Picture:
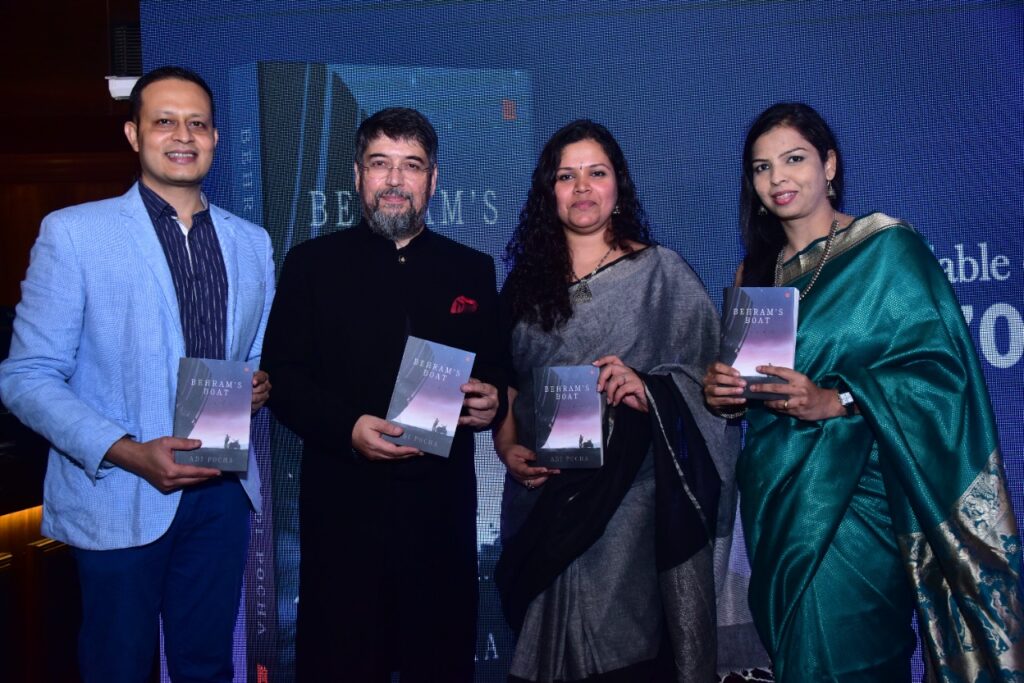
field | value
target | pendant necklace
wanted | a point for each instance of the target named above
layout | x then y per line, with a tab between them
581	293
821	264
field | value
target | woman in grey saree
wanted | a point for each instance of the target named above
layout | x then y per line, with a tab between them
607	574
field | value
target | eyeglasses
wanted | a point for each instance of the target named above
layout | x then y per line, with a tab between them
379	169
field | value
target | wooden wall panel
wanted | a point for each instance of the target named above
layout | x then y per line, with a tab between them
63	140
52	612
8	624
63	144
33	185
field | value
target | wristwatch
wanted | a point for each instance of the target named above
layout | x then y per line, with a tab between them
847	402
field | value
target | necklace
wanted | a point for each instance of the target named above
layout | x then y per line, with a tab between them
581	293
821	264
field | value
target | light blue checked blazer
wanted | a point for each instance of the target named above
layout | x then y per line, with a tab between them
94	356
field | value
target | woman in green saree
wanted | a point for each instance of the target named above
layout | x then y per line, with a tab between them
875	485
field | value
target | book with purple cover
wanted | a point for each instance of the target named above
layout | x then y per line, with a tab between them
427	400
569	416
214	405
759	328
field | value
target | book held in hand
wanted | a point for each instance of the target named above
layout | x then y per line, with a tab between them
427	400
214	405
569	417
759	328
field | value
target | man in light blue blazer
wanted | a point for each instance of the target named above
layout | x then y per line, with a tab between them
116	293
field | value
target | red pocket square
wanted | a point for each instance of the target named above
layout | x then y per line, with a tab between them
463	304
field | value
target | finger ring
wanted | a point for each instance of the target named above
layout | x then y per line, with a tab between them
785	404
528	484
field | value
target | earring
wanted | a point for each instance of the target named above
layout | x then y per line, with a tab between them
762	211
830	191
616	211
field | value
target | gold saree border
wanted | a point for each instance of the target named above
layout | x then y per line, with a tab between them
852	236
965	577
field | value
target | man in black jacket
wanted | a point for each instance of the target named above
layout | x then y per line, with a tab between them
388	576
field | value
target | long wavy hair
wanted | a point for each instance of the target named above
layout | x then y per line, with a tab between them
763	235
538	254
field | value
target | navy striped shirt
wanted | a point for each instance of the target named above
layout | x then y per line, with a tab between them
200	279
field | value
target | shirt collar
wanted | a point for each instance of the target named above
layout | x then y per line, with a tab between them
158	206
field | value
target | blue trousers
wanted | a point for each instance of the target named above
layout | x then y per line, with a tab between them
191	578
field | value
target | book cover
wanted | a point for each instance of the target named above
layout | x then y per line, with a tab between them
293	140
213	404
259	619
427	399
569	417
759	328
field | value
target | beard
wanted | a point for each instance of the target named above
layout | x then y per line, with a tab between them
394	226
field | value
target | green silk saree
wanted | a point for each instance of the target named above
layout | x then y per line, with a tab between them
854	522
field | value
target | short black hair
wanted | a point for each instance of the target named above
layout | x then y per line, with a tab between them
164	73
397	123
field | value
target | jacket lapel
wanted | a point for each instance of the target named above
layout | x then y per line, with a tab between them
139	227
224	226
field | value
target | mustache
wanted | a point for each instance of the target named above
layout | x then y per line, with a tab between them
392	192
